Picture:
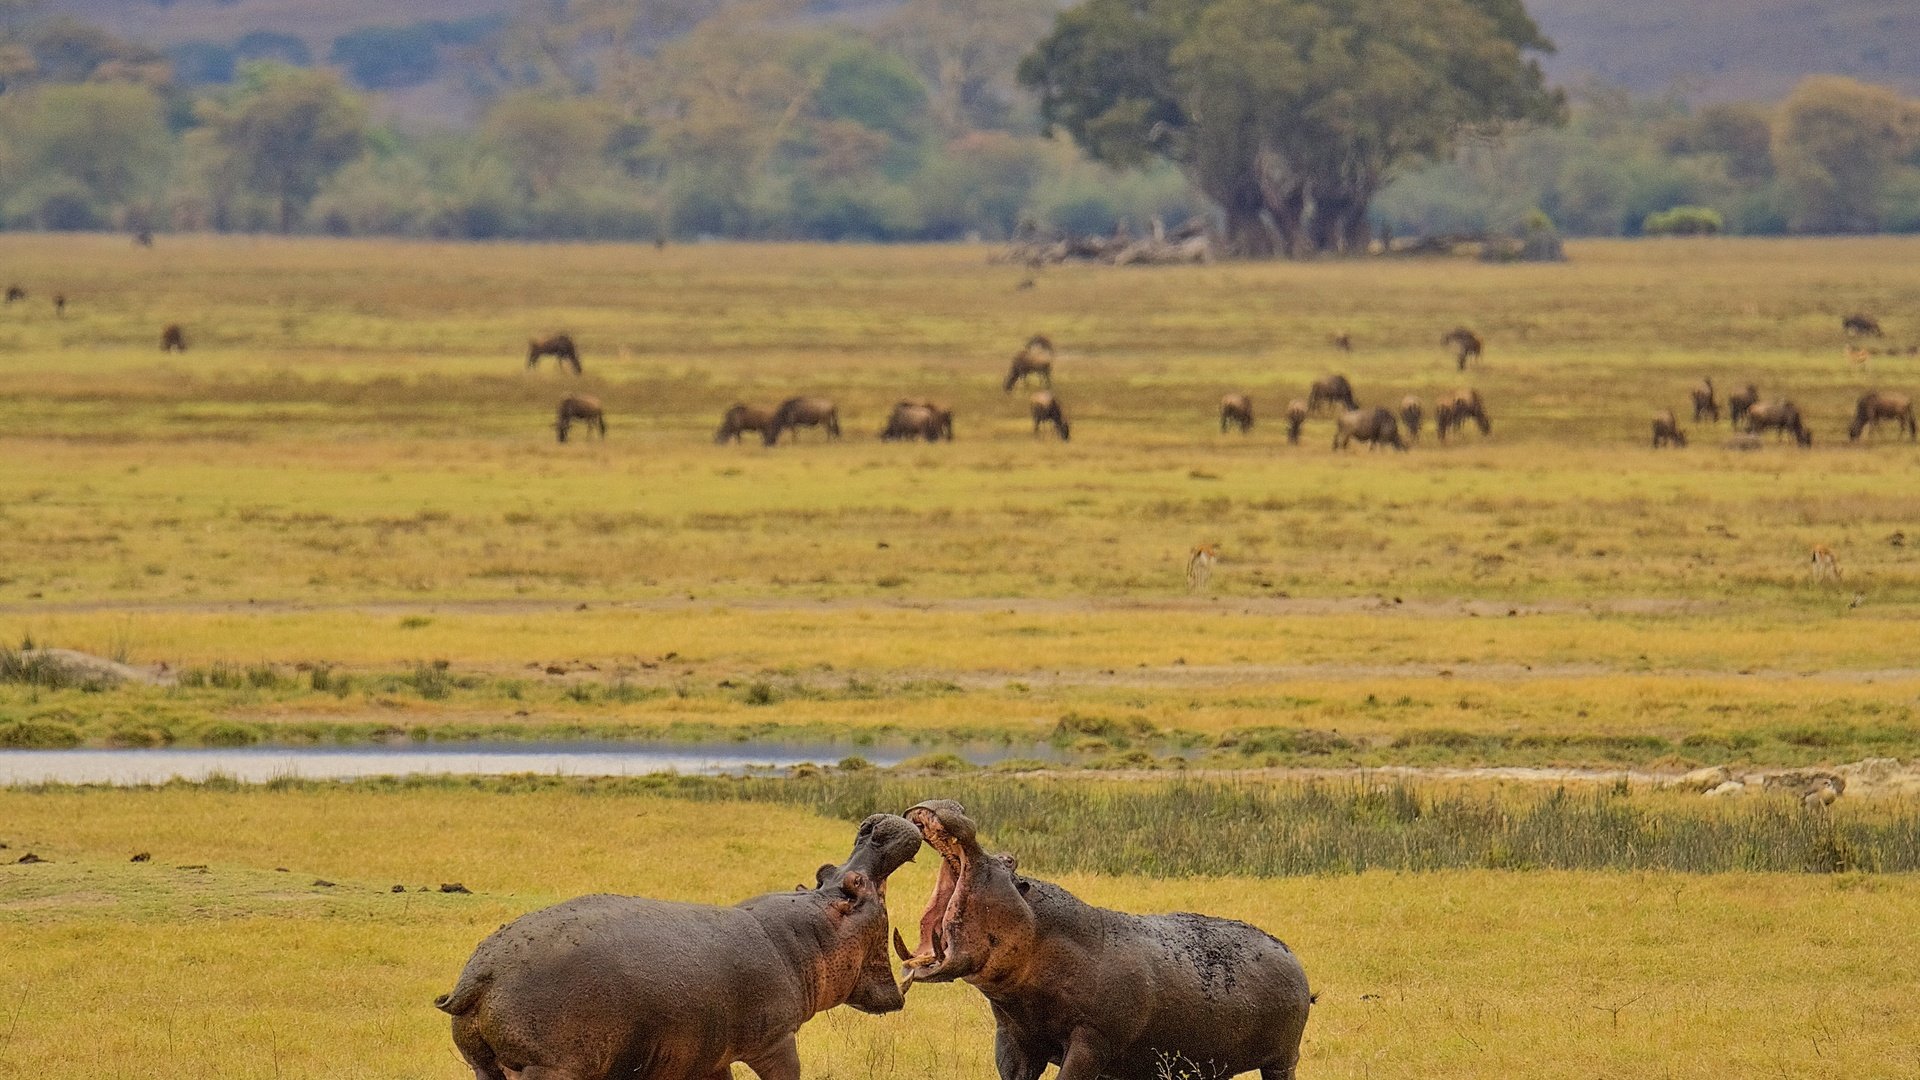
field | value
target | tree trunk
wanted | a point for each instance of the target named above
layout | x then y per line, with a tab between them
1248	234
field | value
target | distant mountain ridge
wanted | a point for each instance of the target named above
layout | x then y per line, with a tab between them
1709	50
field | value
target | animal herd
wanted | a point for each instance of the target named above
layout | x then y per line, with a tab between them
1749	415
618	986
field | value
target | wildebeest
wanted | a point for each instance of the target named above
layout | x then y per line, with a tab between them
1332	390
173	338
1704	404
583	409
1860	324
1739	402
559	346
1297	412
1375	427
1035	358
620	986
741	418
60	304
1101	993
912	420
15	292
1046	410
1666	429
1411	414
144	238
1236	410
1342	341
798	412
1874	407
1780	417
1466	346
1451	414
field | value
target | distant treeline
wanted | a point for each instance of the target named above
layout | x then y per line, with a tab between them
688	119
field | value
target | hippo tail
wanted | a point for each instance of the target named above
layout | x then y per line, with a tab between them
465	994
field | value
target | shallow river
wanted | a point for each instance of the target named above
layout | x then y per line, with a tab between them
260	764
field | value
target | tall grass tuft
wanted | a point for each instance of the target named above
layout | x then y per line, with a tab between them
27	668
1216	827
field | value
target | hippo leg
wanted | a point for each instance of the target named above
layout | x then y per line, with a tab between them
1084	1059
1016	1062
1279	1072
780	1063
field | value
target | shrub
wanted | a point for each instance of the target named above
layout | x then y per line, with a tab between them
1684	221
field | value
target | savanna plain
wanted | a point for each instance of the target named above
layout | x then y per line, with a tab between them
341	516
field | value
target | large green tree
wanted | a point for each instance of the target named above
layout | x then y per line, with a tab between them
1289	114
1839	145
286	131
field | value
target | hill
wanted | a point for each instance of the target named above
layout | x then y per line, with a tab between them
1693	46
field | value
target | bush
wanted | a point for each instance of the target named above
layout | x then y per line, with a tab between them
1684	221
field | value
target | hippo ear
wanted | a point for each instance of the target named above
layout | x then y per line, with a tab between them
820	875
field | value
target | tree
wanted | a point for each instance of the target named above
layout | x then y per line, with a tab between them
1290	115
109	139
287	130
548	141
1839	144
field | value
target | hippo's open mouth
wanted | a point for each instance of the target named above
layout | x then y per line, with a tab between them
938	822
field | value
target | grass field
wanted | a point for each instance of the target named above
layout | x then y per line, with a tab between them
342	517
351	477
243	970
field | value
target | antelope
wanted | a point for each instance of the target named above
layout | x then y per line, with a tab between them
1236	410
1332	390
1035	358
559	346
1825	566
173	338
1296	419
1739	402
582	408
1860	324
1466	346
1342	341
1666	429
1411	414
1200	566
15	292
1046	410
1782	417
1703	402
60	305
1875	406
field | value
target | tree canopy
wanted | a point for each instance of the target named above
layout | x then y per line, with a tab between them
1290	115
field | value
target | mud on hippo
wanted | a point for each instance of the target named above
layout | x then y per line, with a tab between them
606	986
1102	994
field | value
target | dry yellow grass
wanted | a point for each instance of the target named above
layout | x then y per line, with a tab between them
245	971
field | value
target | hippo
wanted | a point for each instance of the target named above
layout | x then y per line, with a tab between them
1102	994
605	986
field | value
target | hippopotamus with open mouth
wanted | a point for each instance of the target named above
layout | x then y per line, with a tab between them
1100	993
606	986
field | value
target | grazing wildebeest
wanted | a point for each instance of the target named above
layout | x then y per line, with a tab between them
798	412
1739	402
1451	414
559	346
1411	414
1102	994
1035	358
1874	407
1342	341
1375	427
1046	410
579	407
603	986
1297	413
173	338
144	238
1780	417
60	304
912	420
1236	410
743	418
1666	429
15	292
1332	390
1860	324
1704	404
1466	346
